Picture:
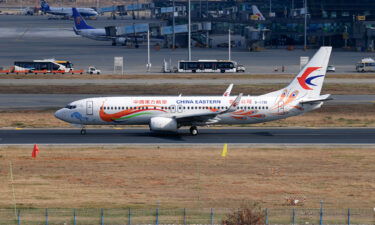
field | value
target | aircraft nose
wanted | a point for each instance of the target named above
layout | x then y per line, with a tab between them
59	114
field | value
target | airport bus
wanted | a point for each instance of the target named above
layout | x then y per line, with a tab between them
46	65
209	66
366	65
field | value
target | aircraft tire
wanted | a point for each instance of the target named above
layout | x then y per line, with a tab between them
194	130
83	131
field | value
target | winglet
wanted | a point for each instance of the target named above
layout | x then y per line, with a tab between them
228	91
235	103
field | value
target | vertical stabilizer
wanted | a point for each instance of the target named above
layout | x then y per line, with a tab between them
44	6
257	12
309	81
79	21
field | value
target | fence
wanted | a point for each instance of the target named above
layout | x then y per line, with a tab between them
178	216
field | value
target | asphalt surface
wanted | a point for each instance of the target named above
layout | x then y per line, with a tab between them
36	37
206	136
55	101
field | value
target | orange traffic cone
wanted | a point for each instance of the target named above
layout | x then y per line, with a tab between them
35	151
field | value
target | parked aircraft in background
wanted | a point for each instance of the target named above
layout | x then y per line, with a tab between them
169	113
99	34
257	13
66	11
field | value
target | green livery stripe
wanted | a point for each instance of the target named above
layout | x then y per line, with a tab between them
134	115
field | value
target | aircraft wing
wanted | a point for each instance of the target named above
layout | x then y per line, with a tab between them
321	98
208	117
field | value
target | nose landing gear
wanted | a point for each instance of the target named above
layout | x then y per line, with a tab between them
194	130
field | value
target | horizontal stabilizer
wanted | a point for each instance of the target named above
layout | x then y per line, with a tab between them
321	98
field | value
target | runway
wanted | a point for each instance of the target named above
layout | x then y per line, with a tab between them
206	136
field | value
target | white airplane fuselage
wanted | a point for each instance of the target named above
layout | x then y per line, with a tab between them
139	110
97	34
67	11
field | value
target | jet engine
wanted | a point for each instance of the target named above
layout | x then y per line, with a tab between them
163	124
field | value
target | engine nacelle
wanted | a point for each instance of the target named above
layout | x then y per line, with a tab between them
163	124
120	40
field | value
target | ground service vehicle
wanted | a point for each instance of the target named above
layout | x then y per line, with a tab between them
365	65
93	70
331	68
208	66
45	65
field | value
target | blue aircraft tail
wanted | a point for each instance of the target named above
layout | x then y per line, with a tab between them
44	6
79	22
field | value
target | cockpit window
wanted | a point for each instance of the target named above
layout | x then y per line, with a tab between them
71	106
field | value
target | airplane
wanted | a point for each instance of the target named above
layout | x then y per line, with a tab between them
257	12
169	113
66	11
99	34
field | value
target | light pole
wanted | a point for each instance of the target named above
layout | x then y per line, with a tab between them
229	46
270	7
189	31
148	51
305	38
173	24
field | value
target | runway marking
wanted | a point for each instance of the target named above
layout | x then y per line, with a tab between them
118	128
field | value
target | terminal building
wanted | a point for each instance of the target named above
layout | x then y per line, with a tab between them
340	23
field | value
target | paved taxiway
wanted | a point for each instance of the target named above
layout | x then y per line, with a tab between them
206	136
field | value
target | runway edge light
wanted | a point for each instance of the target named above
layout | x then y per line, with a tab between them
225	150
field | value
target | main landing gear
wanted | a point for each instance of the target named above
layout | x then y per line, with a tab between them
83	131
193	130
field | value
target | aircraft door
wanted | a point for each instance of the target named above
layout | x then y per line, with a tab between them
281	107
179	108
89	108
172	108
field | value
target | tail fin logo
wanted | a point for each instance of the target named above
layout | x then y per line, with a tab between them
78	20
304	81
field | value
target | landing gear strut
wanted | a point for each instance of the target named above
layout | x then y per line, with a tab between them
83	131
193	130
